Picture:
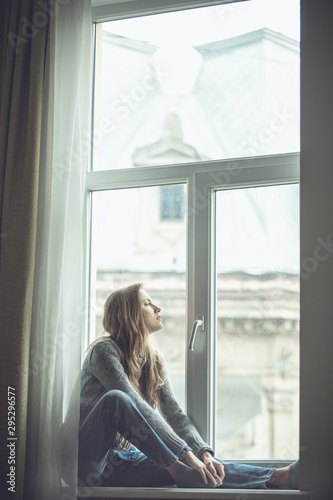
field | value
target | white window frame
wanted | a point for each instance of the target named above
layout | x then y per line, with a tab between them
143	177
118	9
202	180
203	184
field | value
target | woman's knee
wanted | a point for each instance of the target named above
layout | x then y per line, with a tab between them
117	397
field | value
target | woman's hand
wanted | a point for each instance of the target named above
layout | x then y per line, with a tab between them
210	470
214	466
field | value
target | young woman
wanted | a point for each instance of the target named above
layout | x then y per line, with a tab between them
132	430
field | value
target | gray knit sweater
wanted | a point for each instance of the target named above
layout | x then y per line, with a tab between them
103	370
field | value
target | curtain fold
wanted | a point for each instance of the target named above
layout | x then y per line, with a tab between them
22	62
59	312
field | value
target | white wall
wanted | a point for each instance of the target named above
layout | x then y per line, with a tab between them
316	227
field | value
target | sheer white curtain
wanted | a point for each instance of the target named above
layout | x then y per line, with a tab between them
59	305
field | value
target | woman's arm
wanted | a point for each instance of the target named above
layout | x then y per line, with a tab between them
202	457
180	422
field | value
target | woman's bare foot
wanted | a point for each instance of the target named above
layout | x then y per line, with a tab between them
186	477
279	477
286	476
175	467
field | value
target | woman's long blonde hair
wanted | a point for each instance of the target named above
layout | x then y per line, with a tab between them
123	321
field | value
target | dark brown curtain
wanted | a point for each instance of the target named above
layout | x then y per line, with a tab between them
24	32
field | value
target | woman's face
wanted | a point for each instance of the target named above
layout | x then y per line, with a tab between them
151	313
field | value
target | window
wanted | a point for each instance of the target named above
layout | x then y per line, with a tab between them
172	203
194	189
129	245
257	315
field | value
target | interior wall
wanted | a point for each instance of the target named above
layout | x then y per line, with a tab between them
316	438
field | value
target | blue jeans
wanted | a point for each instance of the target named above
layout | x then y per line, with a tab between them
144	464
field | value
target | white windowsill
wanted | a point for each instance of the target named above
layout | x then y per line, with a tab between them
191	493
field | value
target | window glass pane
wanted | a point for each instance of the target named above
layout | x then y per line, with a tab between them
257	293
210	83
132	242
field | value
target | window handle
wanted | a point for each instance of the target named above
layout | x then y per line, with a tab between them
198	323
